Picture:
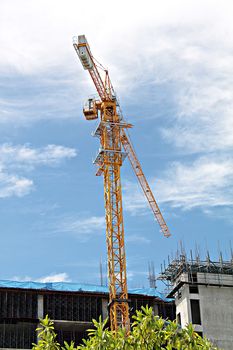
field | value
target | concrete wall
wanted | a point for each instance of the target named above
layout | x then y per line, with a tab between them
183	307
216	308
217	315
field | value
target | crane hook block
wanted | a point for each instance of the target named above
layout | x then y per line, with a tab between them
82	48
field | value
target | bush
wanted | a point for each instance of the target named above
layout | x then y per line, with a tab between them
148	332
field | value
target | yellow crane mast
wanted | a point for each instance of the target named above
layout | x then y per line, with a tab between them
111	131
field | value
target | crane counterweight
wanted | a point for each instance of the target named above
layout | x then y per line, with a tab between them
83	51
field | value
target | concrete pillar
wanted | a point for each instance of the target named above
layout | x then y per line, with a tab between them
40	310
155	308
104	308
40	306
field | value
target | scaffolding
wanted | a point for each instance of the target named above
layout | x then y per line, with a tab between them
173	274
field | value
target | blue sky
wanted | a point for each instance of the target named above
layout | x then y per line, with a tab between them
172	67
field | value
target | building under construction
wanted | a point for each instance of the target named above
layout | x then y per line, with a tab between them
203	292
71	306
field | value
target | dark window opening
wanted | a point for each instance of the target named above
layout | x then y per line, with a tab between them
18	335
192	277
136	304
72	307
193	288
178	317
200	333
195	311
16	304
70	335
179	294
167	310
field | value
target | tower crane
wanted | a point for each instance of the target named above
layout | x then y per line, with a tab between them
115	146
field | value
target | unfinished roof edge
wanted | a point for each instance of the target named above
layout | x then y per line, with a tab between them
184	265
76	287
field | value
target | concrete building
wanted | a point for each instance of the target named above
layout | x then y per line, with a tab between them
71	306
204	296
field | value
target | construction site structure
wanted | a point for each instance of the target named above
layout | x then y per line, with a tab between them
71	306
203	292
112	132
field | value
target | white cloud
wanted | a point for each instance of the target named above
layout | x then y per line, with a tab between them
133	198
56	277
23	158
206	183
180	42
26	156
224	213
82	228
135	238
87	225
21	278
205	118
13	185
184	45
85	228
27	46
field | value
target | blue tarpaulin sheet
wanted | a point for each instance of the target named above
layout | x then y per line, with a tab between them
76	287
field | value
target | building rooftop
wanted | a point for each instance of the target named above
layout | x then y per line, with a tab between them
76	287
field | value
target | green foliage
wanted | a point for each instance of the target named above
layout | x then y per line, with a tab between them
47	336
148	332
